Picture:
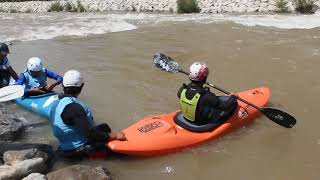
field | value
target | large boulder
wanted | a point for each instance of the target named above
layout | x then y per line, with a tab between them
11	129
13	157
24	146
22	169
22	159
35	176
80	172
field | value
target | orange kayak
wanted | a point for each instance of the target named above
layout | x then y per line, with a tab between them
157	135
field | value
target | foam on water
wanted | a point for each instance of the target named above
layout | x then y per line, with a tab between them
26	27
276	21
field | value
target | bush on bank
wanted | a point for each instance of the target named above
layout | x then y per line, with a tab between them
305	6
80	7
55	7
68	7
282	6
187	6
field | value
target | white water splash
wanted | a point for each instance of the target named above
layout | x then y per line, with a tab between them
168	170
26	27
277	21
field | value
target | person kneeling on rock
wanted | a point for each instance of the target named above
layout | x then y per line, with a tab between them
73	125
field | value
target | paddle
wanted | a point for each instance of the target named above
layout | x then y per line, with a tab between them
282	118
11	92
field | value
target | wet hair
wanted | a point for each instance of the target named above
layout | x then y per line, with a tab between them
72	90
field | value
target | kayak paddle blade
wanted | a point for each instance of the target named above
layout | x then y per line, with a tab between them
11	92
280	117
166	63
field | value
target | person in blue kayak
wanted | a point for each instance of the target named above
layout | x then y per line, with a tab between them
73	124
34	78
6	70
197	103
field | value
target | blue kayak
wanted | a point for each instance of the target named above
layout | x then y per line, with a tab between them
40	104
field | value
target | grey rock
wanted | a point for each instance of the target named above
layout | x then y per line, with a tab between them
242	8
5	172
13	157
80	172
272	8
253	9
11	129
22	169
35	176
24	146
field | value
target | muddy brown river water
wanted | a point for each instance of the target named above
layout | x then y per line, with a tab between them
122	85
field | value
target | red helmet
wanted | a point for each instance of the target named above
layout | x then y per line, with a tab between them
198	71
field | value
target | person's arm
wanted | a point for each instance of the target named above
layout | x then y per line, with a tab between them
54	76
226	104
210	99
12	73
28	92
74	115
104	135
21	79
180	91
117	136
10	70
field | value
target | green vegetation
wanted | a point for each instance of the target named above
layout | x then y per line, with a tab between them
13	11
55	7
28	11
282	6
187	6
305	6
68	7
80	7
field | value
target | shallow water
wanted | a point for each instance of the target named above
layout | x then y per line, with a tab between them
122	86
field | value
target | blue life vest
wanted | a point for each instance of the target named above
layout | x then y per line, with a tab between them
69	137
3	62
32	82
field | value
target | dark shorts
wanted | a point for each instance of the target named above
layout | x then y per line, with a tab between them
4	78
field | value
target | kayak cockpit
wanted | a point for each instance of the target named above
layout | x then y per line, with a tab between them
219	117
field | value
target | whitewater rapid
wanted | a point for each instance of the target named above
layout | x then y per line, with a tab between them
28	27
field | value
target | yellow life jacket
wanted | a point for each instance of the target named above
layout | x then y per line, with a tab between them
189	107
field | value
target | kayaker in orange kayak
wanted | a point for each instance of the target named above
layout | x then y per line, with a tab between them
73	125
197	103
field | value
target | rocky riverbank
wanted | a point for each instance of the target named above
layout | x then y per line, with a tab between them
205	6
34	161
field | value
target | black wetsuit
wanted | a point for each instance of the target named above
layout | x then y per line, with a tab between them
207	102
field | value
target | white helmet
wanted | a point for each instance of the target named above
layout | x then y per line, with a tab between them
72	78
198	71
35	64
